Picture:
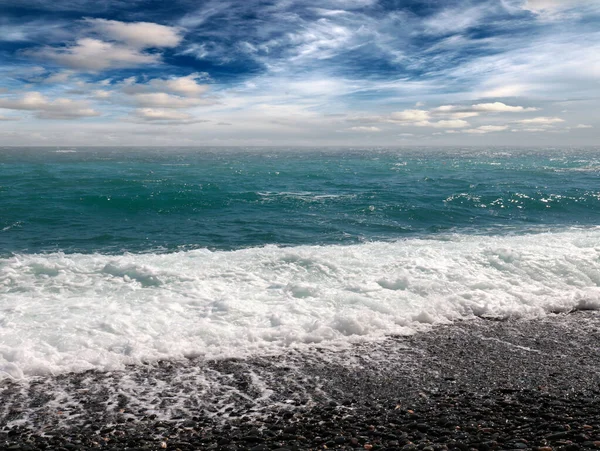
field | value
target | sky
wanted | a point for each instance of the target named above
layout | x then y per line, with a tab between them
299	72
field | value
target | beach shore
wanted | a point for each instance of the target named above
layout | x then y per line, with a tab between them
481	384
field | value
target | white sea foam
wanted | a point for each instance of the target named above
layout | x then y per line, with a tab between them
305	196
75	312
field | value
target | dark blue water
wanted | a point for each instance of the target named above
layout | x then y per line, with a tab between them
113	200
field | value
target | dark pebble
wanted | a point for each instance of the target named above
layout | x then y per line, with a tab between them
500	397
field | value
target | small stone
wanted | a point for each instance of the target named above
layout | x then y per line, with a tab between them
368	446
340	440
422	427
163	445
259	448
557	435
253	439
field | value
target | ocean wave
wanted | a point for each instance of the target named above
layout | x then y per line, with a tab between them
73	312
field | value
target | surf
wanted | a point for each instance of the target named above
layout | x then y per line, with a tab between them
74	312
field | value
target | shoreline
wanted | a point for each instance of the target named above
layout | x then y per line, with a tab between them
481	384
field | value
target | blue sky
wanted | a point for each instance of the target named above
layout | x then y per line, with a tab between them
299	72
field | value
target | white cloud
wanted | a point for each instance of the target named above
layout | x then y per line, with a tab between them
493	128
94	55
495	107
140	35
9	118
512	90
534	129
187	86
540	6
553	65
320	40
454	112
422	118
452	123
452	20
410	116
155	100
44	108
583	126
114	45
486	129
164	100
499	107
101	94
541	121
453	117
365	129
151	114
59	77
463	115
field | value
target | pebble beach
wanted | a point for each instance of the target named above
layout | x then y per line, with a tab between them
481	384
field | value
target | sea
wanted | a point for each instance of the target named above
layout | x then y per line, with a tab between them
117	256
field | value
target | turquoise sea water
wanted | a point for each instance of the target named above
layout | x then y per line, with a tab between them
114	200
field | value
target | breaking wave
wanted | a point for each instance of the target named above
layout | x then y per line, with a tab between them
73	312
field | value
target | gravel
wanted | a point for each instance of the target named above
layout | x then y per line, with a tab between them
480	384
